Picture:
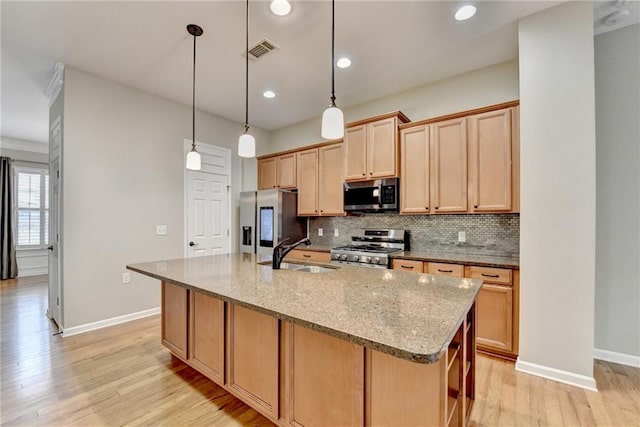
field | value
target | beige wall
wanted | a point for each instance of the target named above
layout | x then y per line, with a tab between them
478	88
123	175
557	219
617	74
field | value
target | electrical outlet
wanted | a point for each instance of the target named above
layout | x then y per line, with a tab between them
462	236
320	232
161	230
126	278
336	233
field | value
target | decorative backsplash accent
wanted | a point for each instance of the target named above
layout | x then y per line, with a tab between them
491	234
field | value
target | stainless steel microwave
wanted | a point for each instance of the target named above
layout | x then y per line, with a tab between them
379	195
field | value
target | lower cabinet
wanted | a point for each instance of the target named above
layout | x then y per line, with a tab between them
302	255
325	379
174	319
206	335
253	358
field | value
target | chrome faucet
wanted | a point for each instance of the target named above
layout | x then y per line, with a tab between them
279	252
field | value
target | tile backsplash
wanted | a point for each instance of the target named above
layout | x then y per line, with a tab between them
491	234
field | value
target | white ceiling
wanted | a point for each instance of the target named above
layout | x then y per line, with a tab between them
394	46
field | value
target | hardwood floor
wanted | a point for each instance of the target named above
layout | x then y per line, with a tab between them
122	375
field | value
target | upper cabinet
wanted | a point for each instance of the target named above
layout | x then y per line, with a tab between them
371	147
467	162
320	181
490	161
277	172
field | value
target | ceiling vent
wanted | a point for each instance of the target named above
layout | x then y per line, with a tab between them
261	48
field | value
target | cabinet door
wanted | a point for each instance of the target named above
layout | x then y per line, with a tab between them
308	182
414	170
407	265
206	335
252	369
286	169
382	144
449	166
454	270
267	173
325	380
490	161
495	317
174	319
355	153
331	193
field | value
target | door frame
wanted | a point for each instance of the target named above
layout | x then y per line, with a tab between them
205	150
55	151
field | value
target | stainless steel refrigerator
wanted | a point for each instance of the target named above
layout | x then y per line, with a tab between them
267	217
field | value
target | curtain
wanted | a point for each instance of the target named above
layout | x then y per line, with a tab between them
9	266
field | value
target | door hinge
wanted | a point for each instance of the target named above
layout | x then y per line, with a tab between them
58	174
58	301
57	237
228	187
227	231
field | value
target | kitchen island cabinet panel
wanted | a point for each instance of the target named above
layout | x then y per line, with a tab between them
325	379
174	319
206	335
253	358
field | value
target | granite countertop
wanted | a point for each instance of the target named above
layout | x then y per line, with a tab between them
408	315
461	258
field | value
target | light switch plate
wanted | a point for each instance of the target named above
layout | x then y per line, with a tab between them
161	230
462	236
320	232
126	278
336	233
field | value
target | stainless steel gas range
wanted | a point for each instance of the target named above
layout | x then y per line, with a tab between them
371	248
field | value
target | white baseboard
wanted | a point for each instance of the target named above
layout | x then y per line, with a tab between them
620	358
558	375
26	272
75	330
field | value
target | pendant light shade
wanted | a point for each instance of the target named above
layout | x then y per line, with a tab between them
332	118
246	142
193	157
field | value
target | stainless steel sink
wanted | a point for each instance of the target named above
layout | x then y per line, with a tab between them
302	267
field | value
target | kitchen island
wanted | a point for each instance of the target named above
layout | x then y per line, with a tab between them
351	346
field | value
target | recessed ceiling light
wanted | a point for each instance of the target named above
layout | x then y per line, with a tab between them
465	12
280	7
269	94
343	63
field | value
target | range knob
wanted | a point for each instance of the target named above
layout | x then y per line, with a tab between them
335	256
343	257
355	258
365	259
375	260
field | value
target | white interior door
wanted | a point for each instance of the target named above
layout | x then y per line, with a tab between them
208	204
54	310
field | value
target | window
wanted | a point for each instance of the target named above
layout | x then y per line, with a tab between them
32	196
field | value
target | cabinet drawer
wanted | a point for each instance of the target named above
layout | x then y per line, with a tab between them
455	270
303	255
407	265
492	275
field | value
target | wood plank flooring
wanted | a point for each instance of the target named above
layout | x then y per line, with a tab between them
122	375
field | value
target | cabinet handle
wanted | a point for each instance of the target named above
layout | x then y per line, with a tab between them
364	174
475	206
306	256
408	267
370	173
445	271
426	208
437	207
495	276
321	210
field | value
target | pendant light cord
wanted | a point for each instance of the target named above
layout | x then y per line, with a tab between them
333	43
193	103
246	73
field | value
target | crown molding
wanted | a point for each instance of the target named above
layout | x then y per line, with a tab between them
56	84
24	145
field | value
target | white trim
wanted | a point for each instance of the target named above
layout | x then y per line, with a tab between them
33	271
56	84
25	145
558	375
620	358
75	330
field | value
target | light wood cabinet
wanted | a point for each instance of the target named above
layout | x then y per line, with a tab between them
314	256
325	379
449	166
174	319
453	270
371	148
277	172
490	161
414	164
407	265
253	358
320	191
206	335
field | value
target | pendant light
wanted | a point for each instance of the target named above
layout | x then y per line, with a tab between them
193	157
246	143
332	118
